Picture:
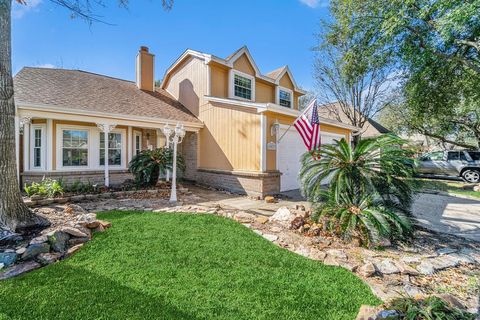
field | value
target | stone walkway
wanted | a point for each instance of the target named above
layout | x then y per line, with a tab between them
449	214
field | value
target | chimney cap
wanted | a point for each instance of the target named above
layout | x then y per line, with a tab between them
144	48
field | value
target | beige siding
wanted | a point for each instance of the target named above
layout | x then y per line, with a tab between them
286	82
219	79
230	139
264	92
188	83
243	64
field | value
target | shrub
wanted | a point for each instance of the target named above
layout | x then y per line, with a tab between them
431	308
369	195
149	164
47	187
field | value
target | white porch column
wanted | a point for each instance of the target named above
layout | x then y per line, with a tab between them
25	123
106	128
49	145
130	143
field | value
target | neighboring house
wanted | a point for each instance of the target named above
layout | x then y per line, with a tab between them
233	115
370	129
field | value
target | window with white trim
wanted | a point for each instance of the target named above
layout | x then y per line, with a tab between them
37	147
114	149
285	98
74	148
242	87
138	143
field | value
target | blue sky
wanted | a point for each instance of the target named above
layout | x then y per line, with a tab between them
277	32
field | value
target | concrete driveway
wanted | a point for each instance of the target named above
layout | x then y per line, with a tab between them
453	215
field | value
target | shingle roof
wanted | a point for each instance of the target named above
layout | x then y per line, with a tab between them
275	73
85	91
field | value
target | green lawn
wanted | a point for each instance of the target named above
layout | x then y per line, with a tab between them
173	266
454	187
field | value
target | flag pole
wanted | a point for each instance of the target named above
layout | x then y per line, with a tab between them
310	105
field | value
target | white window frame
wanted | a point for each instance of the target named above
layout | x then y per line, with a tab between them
43	147
135	135
277	98
122	150
59	147
231	86
93	148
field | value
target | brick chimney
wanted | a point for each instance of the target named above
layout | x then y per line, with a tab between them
144	70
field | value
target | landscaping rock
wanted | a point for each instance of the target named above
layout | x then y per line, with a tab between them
21	251
444	262
412	291
410	259
367	270
75	241
92	225
77	198
45	202
406	269
270	199
282	215
74	232
297	222
74	249
261	219
19	269
39	239
107	224
58	240
87	218
367	312
48	258
74	209
270	237
338	254
387	266
426	268
99	228
8	258
34	250
1	266
244	217
317	255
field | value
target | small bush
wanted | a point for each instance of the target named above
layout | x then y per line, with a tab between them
431	308
149	164
47	187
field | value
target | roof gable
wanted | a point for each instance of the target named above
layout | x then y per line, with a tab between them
244	65
240	58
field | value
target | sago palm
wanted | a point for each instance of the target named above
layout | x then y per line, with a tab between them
376	172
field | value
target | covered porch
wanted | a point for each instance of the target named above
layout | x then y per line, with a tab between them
71	146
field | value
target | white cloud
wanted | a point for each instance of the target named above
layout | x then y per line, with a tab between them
315	3
19	10
46	65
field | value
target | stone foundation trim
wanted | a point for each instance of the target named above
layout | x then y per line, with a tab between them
257	184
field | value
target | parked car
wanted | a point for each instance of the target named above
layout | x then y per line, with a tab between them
458	163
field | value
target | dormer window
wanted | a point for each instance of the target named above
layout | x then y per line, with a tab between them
285	97
242	86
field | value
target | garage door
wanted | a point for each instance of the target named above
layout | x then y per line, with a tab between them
289	152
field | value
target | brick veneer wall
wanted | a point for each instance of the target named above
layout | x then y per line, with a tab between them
188	149
68	178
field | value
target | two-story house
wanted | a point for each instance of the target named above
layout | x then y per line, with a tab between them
238	122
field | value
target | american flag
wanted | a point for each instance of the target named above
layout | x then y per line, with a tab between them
308	125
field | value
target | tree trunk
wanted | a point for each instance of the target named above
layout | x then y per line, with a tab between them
14	214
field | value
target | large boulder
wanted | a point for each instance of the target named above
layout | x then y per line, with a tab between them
74	232
58	240
8	258
34	250
19	269
283	215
